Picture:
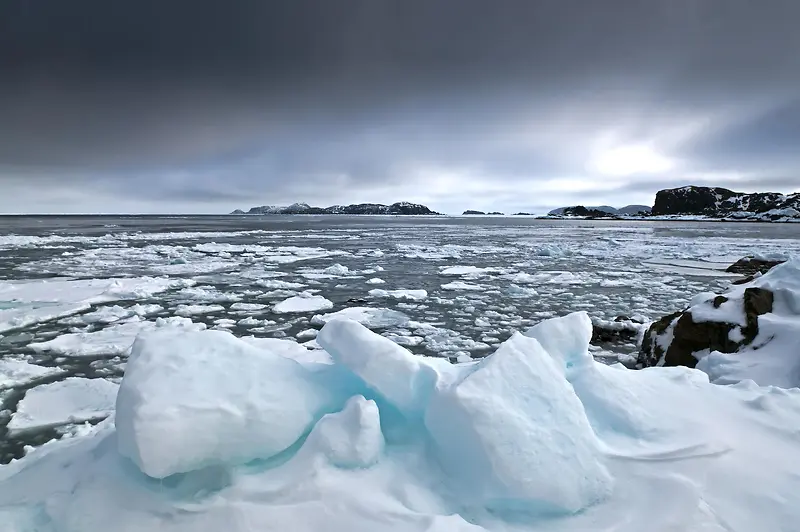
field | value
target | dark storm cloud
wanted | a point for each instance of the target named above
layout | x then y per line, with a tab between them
178	103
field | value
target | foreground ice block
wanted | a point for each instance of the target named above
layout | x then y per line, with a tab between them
351	438
566	339
191	399
398	376
515	437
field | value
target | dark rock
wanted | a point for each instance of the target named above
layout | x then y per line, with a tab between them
497	213
522	214
623	329
604	208
238	211
751	266
724	203
719	300
580	210
743	280
400	208
480	213
651	352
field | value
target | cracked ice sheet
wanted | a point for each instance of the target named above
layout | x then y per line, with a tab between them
24	303
73	400
115	340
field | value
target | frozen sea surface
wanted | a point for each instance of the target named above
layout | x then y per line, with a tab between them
75	291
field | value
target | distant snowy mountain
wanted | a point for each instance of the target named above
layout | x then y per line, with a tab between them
723	203
399	208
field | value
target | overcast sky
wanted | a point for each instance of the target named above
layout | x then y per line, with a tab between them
205	106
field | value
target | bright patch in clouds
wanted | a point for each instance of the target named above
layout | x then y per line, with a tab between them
631	160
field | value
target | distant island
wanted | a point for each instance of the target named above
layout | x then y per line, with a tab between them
601	210
721	203
689	202
402	208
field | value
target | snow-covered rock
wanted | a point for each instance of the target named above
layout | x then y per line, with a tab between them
752	331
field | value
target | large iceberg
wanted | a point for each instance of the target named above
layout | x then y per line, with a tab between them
212	432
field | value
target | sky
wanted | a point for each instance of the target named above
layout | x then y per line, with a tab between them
204	106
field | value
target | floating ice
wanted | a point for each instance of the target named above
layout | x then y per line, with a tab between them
303	303
461	285
24	303
15	373
192	310
414	295
73	400
248	306
111	341
375	280
367	316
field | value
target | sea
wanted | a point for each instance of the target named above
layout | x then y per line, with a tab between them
76	290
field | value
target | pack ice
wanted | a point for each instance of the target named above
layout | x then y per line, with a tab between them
212	432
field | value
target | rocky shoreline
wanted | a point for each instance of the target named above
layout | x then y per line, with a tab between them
751	331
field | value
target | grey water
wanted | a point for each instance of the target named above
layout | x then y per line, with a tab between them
511	272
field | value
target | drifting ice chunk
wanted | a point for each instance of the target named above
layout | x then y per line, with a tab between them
73	400
191	310
415	295
351	438
195	399
303	303
393	372
566	339
516	437
111	341
376	280
18	372
461	285
367	316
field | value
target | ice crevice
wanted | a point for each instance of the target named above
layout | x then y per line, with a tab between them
215	432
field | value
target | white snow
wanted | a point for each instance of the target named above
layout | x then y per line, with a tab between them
414	295
368	316
302	303
73	400
23	303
